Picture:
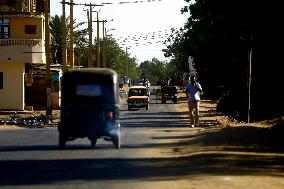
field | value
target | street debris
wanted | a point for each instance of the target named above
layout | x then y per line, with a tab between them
31	121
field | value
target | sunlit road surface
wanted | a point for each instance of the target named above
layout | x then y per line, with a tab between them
159	150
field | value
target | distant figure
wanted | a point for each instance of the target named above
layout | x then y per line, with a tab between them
145	82
169	81
127	82
193	90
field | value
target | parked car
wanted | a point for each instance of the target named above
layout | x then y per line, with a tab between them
138	97
89	106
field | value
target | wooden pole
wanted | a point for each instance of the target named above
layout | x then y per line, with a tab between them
126	64
249	85
71	35
47	54
63	42
104	45
98	42
90	30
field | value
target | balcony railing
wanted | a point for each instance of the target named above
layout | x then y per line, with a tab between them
20	42
22	6
22	51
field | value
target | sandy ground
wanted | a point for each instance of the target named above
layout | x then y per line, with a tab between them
208	113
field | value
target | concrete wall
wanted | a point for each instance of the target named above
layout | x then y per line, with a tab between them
22	54
22	47
17	27
12	94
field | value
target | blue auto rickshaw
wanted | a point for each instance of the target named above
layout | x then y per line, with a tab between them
89	106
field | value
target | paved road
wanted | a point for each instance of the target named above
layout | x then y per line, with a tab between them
158	151
30	157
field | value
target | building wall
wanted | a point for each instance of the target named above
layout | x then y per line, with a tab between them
22	54
12	94
24	46
17	27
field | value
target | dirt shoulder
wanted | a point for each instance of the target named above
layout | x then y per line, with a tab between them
210	117
222	133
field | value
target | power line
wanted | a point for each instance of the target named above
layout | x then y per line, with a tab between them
82	4
133	2
117	3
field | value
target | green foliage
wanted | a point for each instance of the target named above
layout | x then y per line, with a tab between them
116	58
120	61
154	70
56	37
219	34
80	41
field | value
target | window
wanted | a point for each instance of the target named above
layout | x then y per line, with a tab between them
1	80
30	29
4	28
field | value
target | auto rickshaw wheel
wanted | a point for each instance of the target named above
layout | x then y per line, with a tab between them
163	101
175	100
62	141
147	106
93	142
116	142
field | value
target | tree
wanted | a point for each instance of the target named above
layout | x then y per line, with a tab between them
80	41
56	37
219	35
120	61
154	70
177	68
116	58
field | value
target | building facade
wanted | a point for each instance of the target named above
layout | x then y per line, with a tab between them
21	47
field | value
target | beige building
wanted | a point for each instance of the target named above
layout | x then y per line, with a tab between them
21	48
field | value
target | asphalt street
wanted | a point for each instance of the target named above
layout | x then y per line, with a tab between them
159	150
31	158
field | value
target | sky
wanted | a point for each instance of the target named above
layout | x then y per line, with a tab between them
140	26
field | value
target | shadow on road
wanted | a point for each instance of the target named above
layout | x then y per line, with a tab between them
51	171
154	120
217	151
156	124
212	151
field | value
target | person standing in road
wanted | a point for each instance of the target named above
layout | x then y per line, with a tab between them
193	91
145	82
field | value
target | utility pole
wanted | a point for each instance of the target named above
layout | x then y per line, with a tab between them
63	45
71	35
249	84
104	45
90	30
47	54
126	62
98	41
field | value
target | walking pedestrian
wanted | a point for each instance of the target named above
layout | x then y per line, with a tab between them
193	91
